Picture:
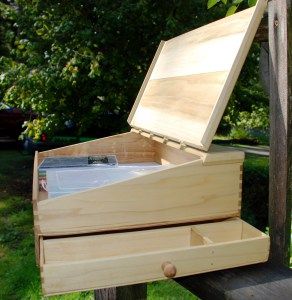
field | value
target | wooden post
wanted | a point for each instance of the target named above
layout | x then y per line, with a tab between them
280	47
105	294
131	292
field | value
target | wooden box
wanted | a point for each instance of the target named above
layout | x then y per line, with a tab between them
113	235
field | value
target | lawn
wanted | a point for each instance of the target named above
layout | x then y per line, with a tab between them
18	271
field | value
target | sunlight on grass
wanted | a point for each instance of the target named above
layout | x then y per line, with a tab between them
168	290
2	205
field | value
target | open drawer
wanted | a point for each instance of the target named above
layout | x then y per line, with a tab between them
116	259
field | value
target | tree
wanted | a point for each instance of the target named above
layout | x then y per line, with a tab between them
232	5
249	106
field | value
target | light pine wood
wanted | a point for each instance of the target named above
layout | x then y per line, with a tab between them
90	247
190	190
104	246
174	103
35	182
136	146
35	198
144	84
170	151
59	250
128	147
165	154
193	77
179	194
98	270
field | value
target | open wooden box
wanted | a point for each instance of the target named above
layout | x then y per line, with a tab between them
109	236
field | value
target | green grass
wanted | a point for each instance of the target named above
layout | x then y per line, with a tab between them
19	275
168	290
256	161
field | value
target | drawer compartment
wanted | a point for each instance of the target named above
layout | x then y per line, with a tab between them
116	259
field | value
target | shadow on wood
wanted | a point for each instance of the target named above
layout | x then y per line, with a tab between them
261	281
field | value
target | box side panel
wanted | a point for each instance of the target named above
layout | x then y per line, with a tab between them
35	196
128	147
100	246
175	152
165	154
186	193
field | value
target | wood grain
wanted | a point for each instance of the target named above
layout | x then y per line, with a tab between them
144	264
172	105
35	198
280	41
90	247
221	104
105	246
179	194
173	152
191	82
144	84
133	292
128	147
258	282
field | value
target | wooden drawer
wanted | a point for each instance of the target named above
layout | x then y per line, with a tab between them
116	259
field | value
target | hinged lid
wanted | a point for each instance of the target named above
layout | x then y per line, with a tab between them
190	80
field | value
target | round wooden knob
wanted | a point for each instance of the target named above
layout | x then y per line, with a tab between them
168	269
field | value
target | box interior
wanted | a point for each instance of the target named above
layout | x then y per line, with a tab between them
134	160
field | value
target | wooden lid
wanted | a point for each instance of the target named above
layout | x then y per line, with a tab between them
190	80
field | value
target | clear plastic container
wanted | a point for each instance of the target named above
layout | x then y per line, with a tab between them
63	181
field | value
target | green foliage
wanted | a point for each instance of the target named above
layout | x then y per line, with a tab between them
248	104
212	3
255	195
84	61
252	126
231	5
252	2
231	10
257	118
239	133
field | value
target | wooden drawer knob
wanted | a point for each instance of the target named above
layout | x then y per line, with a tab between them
168	269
